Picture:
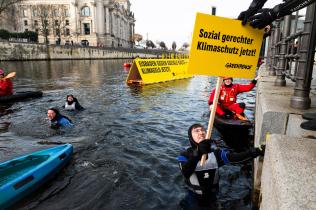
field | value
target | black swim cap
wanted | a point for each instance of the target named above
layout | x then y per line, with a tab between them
192	142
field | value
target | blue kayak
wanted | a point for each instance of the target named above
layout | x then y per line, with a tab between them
20	176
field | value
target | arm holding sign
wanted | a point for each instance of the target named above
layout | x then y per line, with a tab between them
259	18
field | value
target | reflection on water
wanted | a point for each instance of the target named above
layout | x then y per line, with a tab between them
125	142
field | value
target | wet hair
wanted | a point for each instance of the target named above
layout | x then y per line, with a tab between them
58	114
68	96
55	110
74	99
192	142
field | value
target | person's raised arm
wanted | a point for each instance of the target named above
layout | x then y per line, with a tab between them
266	16
226	157
253	8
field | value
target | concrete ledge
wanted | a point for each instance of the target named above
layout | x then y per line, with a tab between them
275	116
289	174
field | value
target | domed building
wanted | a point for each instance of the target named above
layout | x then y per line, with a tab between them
108	23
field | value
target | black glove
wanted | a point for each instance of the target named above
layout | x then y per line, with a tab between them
258	151
54	125
253	8
204	147
263	18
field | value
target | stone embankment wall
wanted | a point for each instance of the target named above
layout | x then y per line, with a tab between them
289	166
28	51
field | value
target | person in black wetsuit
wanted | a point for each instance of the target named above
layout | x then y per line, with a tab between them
259	18
58	120
72	103
203	181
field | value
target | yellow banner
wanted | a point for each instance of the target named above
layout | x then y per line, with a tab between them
148	71
223	47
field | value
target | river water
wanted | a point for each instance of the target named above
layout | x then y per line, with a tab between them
126	141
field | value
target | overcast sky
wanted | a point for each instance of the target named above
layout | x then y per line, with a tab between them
173	20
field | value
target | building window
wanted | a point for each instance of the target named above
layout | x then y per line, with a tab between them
24	13
67	22
55	13
35	13
45	12
85	11
26	30
25	22
46	22
67	14
67	32
56	22
36	30
86	28
35	23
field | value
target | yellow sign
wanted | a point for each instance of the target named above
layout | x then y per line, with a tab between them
148	71
223	47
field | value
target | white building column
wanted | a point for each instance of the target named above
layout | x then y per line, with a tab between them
94	22
107	21
100	18
73	21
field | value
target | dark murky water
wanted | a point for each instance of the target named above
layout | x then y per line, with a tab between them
125	142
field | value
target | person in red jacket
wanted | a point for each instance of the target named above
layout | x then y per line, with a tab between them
228	96
6	85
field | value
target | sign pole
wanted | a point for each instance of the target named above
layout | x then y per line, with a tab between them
212	116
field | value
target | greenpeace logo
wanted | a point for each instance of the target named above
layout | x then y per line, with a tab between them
237	66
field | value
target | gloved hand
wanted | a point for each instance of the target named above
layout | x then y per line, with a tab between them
204	147
253	8
258	151
267	31
257	77
263	18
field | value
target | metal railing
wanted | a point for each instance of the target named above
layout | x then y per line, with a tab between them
291	54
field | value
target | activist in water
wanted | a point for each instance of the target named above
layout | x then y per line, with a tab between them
203	181
227	106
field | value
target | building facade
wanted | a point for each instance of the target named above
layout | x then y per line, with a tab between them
108	23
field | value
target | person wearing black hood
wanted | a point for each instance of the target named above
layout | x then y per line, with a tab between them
203	181
57	120
228	96
72	104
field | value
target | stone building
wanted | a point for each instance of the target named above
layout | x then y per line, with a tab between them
107	23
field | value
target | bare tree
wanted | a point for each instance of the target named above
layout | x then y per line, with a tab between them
52	18
138	37
60	20
150	44
174	45
44	14
185	45
6	4
163	45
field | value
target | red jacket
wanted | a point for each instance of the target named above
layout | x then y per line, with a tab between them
6	87
228	95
